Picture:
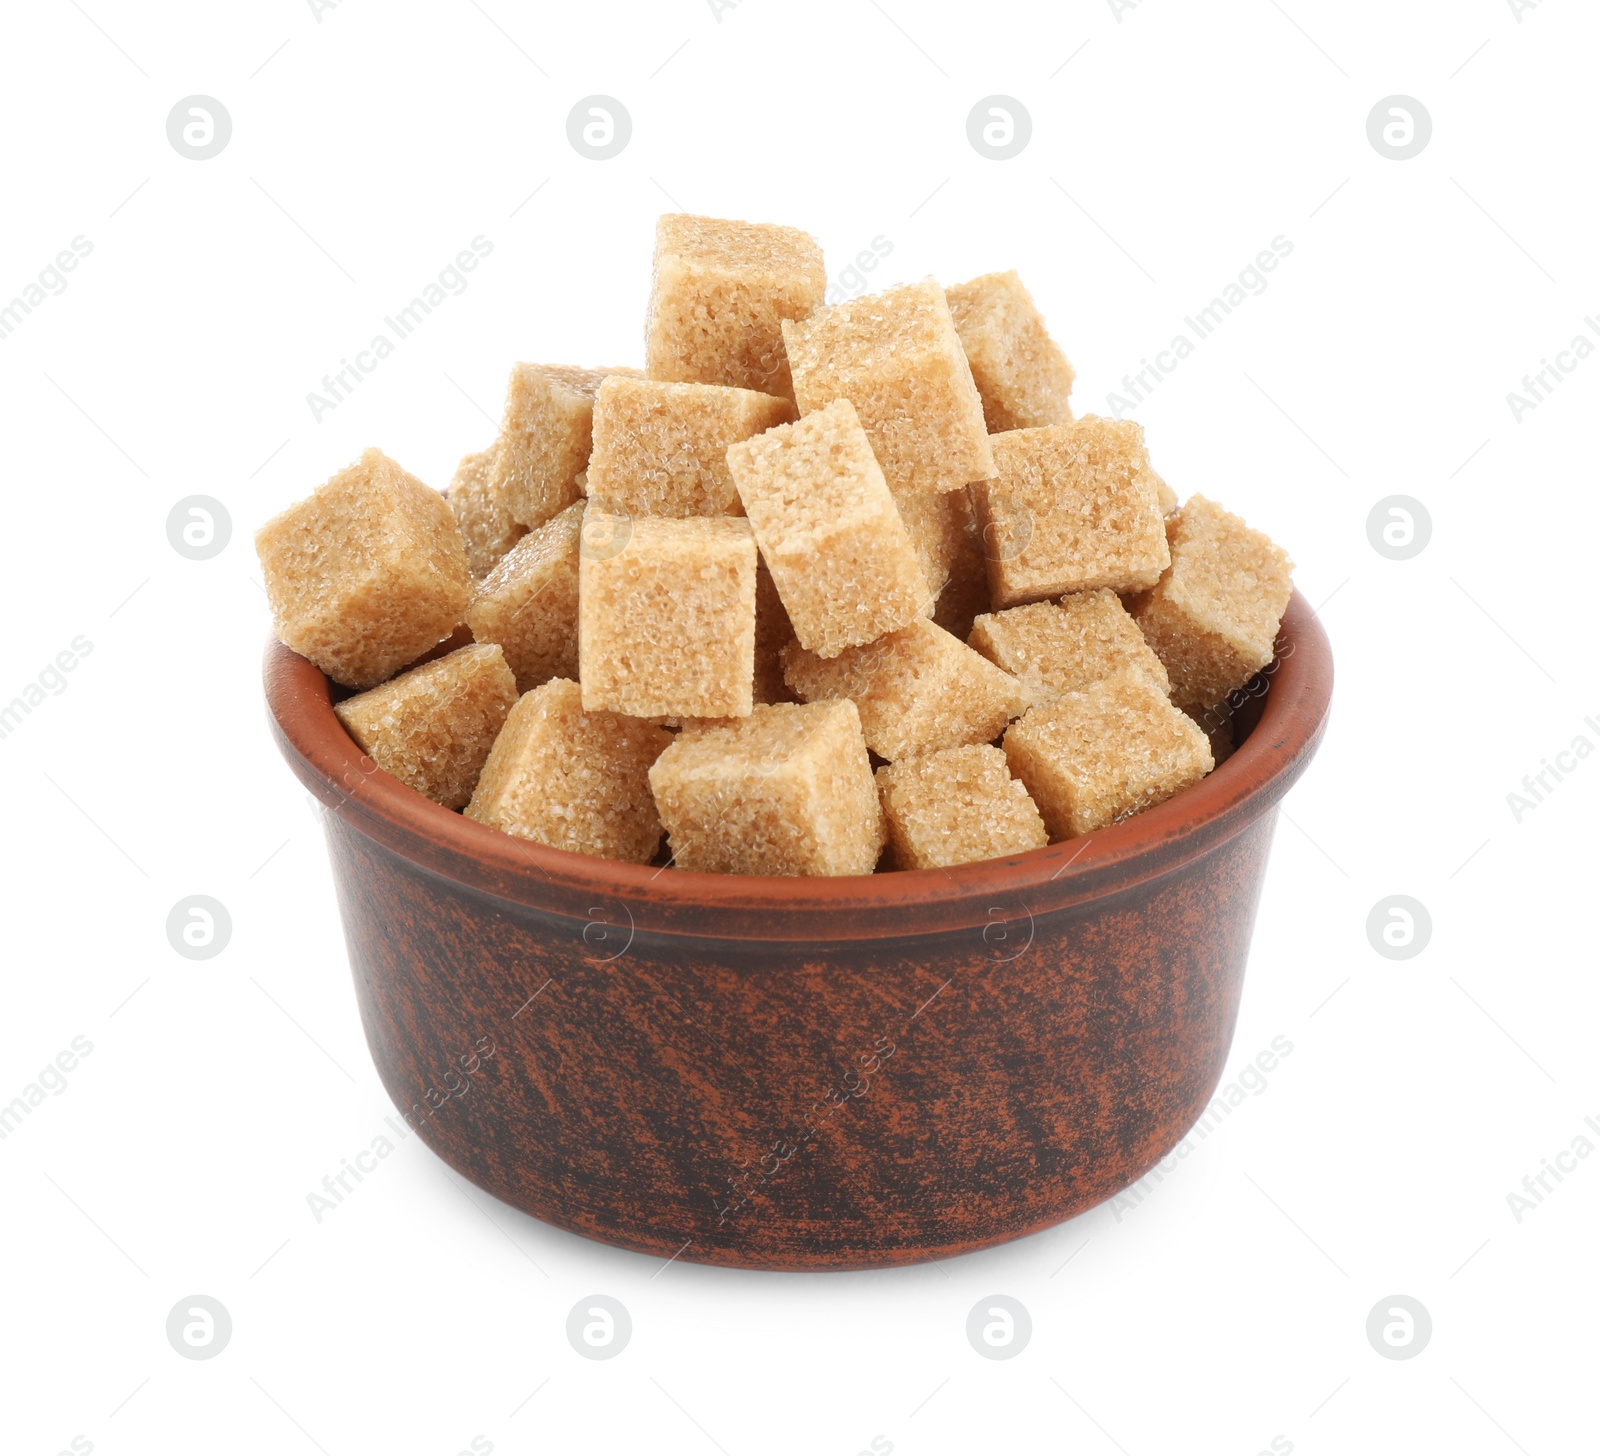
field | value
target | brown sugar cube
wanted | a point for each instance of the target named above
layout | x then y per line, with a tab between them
828	530
529	602
461	637
1213	617
719	293
487	528
1022	376
918	690
897	358
965	593
572	779
964	599
956	806
937	525
667	615
1216	722
545	438
1071	508
773	634
1095	757
662	449
786	791
366	573
1054	649
1166	496
432	728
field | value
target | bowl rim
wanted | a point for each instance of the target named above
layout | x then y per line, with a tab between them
1296	688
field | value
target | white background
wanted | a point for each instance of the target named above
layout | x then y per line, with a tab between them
1169	146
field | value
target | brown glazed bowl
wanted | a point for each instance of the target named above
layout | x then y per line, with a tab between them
804	1073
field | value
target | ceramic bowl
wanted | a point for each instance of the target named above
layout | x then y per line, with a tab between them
793	1074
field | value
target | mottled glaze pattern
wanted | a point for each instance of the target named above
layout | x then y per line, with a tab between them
803	1074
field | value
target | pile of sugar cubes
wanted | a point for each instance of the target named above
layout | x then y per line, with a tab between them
816	584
